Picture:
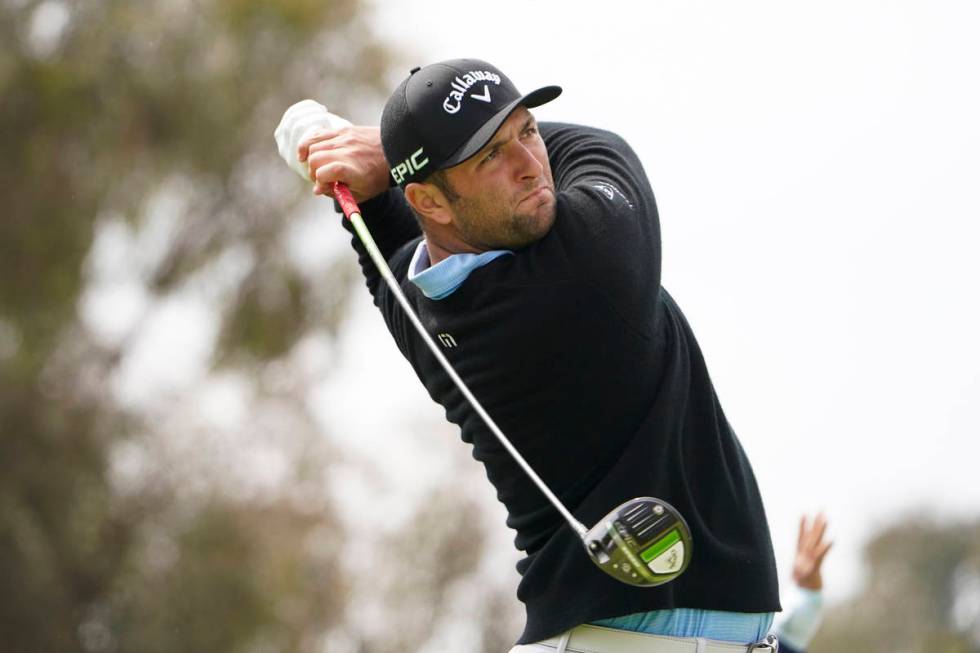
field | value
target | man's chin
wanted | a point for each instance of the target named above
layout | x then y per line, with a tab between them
530	228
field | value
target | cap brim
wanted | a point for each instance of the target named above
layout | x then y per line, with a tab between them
483	135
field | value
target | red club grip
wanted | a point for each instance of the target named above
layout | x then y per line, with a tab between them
343	196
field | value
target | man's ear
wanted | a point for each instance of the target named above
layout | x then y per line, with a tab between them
429	202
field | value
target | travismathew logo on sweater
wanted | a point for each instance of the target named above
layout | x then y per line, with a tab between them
611	192
454	101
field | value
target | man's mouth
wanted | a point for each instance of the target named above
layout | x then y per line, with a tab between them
537	194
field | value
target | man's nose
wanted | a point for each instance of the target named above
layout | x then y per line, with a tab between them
527	165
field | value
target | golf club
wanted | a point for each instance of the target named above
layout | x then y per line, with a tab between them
643	542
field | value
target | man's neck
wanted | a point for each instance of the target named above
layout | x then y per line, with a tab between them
442	248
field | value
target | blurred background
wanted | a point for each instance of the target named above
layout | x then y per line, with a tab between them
207	440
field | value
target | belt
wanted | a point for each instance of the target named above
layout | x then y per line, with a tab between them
598	639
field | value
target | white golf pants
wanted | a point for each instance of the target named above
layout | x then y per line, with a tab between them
597	639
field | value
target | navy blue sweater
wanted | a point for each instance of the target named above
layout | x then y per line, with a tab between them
590	368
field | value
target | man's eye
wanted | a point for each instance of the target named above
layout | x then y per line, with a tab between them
530	131
491	156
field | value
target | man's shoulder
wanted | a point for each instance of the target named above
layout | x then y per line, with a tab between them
551	130
564	140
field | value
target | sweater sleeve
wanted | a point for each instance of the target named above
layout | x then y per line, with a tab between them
607	224
395	230
393	226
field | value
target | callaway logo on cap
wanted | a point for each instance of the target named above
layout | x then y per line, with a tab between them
445	113
454	100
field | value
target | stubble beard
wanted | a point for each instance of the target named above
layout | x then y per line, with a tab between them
489	225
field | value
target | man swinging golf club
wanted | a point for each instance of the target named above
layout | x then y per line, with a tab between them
530	257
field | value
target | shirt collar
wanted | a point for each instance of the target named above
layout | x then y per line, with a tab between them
442	279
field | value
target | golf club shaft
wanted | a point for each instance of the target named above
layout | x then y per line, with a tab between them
353	213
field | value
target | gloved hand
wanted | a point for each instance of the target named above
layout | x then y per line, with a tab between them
298	122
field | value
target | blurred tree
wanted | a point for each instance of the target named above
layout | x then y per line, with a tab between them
922	593
137	154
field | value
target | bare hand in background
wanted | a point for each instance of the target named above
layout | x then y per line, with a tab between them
811	547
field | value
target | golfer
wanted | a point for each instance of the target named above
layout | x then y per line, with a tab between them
531	253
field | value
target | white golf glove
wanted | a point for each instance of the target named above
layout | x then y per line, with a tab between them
299	121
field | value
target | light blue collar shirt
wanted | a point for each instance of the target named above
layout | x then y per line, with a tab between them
442	279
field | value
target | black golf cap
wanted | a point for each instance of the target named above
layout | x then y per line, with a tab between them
444	113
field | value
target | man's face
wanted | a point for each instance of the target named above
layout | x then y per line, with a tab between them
506	194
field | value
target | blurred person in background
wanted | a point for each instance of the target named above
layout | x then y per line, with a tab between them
803	603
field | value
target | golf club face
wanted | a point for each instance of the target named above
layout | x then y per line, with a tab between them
643	542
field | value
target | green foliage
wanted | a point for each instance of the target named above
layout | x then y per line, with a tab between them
61	540
922	594
222	580
136	93
108	109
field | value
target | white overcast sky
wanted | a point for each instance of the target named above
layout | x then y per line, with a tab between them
816	169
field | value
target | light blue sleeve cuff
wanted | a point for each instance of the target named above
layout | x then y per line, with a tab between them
798	622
